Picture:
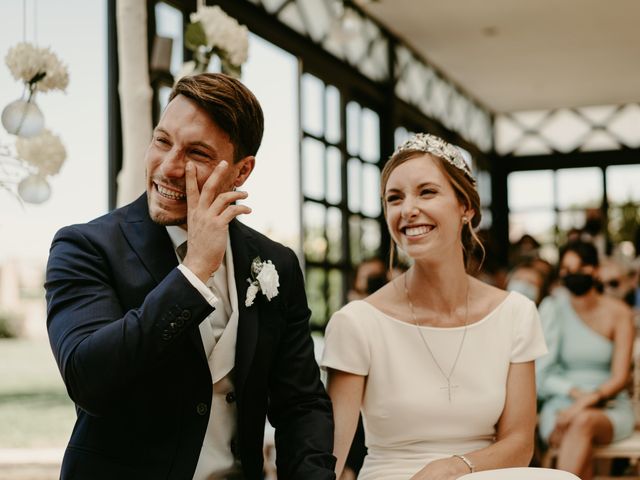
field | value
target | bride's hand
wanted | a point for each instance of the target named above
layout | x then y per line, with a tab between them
444	469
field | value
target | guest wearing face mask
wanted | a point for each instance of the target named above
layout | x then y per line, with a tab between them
582	380
526	279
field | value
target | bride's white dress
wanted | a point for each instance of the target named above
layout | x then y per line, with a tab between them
408	418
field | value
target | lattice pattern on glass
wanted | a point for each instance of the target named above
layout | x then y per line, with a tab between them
419	84
340	30
604	127
353	37
363	181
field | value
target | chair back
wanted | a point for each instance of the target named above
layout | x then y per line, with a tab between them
523	473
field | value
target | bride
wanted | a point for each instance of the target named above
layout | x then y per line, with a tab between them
439	363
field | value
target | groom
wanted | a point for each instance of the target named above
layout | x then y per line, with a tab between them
176	328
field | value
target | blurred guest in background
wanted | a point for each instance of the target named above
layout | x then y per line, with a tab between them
370	275
582	380
614	280
528	280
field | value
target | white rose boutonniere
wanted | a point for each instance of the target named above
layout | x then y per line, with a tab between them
264	278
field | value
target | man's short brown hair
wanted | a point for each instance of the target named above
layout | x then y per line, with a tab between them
230	105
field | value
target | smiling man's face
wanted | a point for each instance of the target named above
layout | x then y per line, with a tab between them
185	133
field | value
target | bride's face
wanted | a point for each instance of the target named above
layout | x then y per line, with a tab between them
424	215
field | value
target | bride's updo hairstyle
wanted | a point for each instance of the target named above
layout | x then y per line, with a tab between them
449	160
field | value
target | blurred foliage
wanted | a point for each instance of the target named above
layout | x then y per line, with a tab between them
9	324
623	222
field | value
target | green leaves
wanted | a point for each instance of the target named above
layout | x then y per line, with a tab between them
194	36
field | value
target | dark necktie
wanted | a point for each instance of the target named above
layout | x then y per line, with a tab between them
182	251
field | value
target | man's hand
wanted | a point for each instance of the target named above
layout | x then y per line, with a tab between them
208	215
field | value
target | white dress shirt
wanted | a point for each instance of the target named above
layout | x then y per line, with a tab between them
218	331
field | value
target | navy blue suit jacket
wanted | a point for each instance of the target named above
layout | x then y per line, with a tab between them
123	326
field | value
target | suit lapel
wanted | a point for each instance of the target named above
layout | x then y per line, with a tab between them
152	245
243	254
149	241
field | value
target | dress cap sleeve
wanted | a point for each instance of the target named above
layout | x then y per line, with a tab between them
529	342
347	346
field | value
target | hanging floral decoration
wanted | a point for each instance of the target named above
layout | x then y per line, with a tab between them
38	153
45	152
37	67
213	32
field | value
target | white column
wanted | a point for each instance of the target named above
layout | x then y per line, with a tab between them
135	97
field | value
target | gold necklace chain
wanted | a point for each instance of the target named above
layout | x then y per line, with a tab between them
426	344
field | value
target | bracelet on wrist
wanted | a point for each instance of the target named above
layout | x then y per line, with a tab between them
468	462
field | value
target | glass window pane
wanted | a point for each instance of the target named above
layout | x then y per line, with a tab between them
315	286
333	114
353	128
370	238
579	187
540	225
353	183
567	220
275	210
169	24
486	220
163	96
400	136
354	240
334	234
312	103
530	189
334	175
315	243
571	219
370	140
484	187
313	168
623	184
336	288
370	190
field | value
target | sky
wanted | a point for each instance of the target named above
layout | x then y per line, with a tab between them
76	31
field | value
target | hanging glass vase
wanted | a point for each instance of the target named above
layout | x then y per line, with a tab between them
23	118
34	189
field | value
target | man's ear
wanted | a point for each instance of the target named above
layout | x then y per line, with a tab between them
244	168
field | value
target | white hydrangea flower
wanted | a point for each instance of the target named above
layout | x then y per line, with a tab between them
26	61
253	289
223	33
269	280
265	279
45	152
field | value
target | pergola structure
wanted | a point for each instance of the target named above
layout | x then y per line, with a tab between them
500	91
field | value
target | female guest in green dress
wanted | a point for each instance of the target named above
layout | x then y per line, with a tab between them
582	380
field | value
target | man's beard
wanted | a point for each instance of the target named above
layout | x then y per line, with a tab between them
167	222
